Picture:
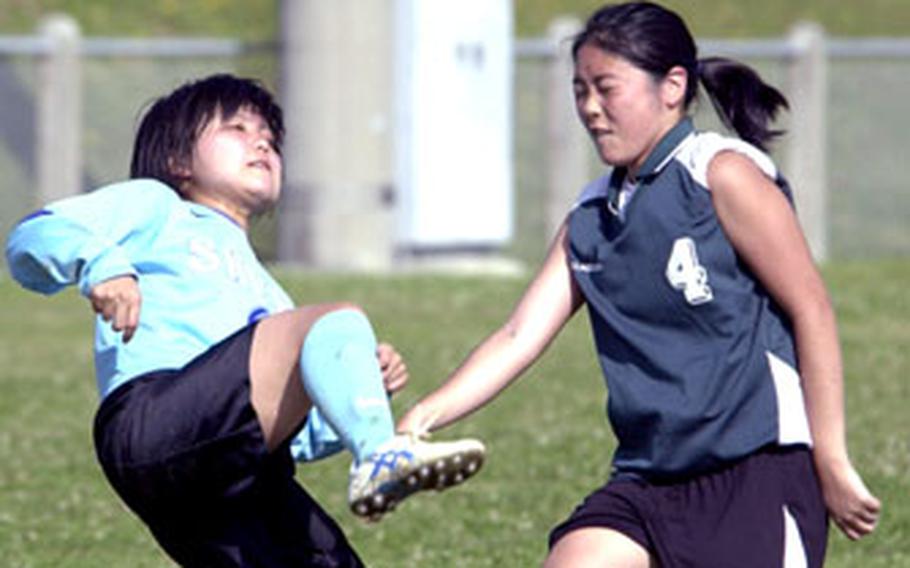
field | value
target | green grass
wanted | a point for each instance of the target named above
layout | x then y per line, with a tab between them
548	440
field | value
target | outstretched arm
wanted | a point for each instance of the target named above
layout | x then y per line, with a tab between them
85	240
764	230
546	305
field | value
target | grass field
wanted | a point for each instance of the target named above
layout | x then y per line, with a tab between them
548	441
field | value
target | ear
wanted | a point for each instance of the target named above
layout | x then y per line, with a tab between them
179	168
673	87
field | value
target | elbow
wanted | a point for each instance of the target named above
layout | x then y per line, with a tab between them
814	312
30	274
24	264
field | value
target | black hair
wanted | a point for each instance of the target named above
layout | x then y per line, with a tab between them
656	39
169	129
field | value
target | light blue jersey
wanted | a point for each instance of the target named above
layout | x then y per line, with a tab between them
198	275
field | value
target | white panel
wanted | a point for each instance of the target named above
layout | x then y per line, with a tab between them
454	122
794	550
794	424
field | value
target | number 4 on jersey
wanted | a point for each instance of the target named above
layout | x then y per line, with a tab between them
685	273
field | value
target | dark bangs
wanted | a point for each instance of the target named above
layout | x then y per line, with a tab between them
169	129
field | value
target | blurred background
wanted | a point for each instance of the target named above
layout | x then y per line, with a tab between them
442	133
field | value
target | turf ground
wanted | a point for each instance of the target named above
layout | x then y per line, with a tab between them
548	441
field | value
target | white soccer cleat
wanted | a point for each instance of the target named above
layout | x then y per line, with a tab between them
406	464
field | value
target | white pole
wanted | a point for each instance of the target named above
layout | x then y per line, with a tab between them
59	115
337	210
807	167
568	149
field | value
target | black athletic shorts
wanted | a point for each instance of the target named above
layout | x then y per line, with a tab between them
185	451
765	511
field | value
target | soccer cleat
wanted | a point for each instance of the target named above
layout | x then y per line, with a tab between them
405	465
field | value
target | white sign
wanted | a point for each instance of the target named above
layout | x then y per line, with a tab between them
454	73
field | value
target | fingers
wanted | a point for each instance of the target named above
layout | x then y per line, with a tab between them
861	519
127	320
118	301
394	370
853	508
855	528
418	420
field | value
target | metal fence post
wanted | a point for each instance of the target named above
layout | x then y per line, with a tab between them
336	89
59	115
808	88
568	149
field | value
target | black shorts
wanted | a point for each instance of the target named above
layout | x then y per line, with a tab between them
185	451
765	511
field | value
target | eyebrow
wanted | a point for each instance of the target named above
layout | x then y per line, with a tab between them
250	116
596	78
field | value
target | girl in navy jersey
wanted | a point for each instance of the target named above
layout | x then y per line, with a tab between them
208	375
712	325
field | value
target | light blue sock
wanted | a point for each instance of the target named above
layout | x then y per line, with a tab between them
341	376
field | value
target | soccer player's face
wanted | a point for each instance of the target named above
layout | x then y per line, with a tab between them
621	106
235	166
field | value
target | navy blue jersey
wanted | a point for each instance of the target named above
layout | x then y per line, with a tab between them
699	362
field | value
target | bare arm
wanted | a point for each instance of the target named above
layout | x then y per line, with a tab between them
546	305
765	232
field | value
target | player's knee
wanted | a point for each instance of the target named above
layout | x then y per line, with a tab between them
344	307
339	326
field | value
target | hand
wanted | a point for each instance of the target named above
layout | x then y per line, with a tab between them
418	421
118	301
394	371
852	507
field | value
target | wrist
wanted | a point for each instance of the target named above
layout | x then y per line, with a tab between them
830	459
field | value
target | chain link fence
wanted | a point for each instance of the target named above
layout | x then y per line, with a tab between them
867	127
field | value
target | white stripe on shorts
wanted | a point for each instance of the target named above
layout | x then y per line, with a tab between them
794	551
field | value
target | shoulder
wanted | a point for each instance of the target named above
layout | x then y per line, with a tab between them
596	189
134	193
722	155
141	198
118	206
146	189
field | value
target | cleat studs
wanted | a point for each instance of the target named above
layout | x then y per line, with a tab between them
412	480
440	465
459	477
472	467
457	460
378	500
361	509
425	472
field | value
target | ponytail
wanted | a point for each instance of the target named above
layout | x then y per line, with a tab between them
743	101
656	39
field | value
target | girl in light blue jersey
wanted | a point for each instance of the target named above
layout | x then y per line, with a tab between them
713	328
208	375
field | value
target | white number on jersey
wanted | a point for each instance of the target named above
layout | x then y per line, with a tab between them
686	274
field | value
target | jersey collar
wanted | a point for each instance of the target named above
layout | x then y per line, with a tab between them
655	162
659	156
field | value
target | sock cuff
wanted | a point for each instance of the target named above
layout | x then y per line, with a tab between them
337	328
